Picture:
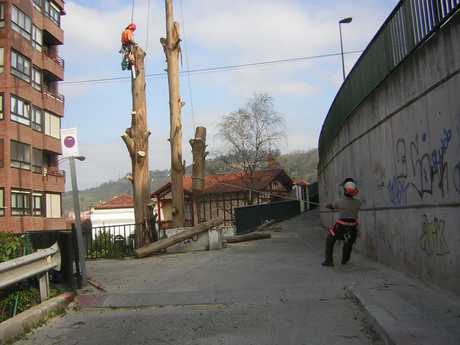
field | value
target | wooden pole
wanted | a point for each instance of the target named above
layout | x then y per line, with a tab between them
136	139
248	237
199	159
171	47
182	236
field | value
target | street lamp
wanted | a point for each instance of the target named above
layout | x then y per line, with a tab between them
76	206
343	21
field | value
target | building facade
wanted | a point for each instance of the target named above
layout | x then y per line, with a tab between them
117	211
222	194
31	109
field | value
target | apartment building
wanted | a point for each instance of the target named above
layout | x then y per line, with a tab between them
31	109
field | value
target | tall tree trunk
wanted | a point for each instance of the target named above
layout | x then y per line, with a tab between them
199	159
171	46
136	139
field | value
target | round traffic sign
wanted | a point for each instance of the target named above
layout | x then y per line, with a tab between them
69	141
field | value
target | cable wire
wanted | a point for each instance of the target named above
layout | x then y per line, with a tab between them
187	64
213	69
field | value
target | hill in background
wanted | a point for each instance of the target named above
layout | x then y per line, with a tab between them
298	165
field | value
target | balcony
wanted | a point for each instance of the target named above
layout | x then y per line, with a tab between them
57	59
53	64
53	101
52	144
48	179
54	180
52	32
48	171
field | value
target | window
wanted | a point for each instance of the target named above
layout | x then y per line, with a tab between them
37	161
38	4
2	153
1	106
20	66
37	38
37	79
52	125
20	155
53	206
20	203
2	202
20	111
21	22
37	204
37	119
53	12
2	15
2	60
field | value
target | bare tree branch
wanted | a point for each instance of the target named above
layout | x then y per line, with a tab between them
250	134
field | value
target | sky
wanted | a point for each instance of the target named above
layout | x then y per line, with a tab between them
214	33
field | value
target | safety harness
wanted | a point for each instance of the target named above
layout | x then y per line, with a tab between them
351	224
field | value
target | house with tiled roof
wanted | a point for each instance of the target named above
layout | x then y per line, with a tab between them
118	210
223	193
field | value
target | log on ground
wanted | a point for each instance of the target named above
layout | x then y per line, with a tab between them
248	237
156	247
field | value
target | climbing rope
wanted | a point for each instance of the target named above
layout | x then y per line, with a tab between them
187	64
132	11
147	29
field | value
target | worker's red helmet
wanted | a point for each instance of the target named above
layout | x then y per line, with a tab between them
132	27
350	188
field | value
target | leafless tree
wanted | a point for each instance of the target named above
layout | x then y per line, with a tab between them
250	134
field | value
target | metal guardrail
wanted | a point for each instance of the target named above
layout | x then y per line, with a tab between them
410	24
36	264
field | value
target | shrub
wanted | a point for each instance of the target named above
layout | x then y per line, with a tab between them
18	300
10	246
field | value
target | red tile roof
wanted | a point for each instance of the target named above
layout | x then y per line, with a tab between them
119	201
232	182
300	182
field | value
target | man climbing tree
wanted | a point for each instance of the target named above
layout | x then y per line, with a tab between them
127	49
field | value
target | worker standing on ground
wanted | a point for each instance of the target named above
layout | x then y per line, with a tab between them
346	226
127	49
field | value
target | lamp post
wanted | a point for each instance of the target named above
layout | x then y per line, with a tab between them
76	205
343	21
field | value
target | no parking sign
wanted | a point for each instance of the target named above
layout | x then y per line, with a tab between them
69	142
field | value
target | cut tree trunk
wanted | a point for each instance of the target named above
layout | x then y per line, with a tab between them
248	237
168	242
171	47
199	159
136	139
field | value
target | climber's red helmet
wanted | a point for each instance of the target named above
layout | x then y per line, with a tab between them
132	27
350	188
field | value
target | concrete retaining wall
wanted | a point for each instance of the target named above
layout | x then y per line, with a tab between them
402	145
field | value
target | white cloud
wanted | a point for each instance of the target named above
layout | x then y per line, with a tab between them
93	32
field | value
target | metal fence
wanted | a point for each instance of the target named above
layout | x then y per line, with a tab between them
410	24
113	241
248	218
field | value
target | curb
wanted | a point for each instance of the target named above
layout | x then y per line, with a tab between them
23	322
379	318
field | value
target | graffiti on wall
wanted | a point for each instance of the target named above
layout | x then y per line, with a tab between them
422	170
433	240
457	177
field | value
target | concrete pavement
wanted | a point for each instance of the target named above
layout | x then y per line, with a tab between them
265	292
